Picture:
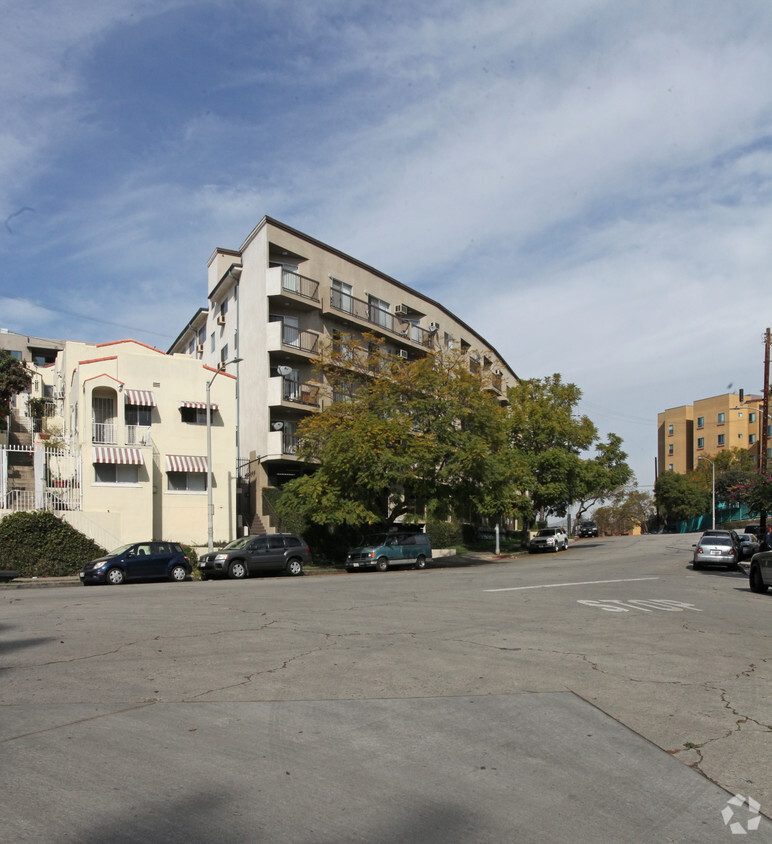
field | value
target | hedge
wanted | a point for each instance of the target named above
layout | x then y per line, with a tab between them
38	544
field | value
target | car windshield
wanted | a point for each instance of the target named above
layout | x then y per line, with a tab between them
121	550
547	532
236	544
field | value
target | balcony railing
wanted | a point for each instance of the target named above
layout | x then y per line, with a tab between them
290	443
103	432
138	435
294	338
304	393
300	285
346	304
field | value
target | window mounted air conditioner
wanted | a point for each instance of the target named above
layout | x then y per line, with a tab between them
434	326
221	319
200	349
401	310
403	354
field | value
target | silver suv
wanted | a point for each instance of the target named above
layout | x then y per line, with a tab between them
549	539
252	555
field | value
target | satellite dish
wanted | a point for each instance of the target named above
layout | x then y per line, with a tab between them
277	426
284	371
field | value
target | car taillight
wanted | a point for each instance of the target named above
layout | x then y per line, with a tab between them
699	550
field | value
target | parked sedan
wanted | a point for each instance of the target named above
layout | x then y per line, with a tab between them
749	545
138	561
760	577
716	551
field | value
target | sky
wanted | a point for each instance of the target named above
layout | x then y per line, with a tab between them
586	183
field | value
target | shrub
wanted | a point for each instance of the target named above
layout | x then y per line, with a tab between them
444	534
38	544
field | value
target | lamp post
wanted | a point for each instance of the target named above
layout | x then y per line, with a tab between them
713	465
209	506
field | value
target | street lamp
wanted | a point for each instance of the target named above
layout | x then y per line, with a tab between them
713	465
209	506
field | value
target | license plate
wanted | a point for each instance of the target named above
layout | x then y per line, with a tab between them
717	553
81	575
355	565
202	565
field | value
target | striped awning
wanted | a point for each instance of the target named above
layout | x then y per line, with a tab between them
114	454
199	405
185	463
141	398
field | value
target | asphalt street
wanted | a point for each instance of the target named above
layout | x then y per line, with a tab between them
607	693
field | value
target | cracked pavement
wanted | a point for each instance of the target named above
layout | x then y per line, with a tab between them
694	681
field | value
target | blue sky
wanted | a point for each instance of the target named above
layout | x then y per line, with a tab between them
587	183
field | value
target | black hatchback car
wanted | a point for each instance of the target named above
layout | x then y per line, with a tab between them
138	561
250	555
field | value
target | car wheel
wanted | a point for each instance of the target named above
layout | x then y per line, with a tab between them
756	582
178	574
237	570
420	563
382	564
295	567
115	577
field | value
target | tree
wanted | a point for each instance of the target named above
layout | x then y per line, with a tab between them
603	475
548	440
629	508
14	378
403	437
680	496
733	467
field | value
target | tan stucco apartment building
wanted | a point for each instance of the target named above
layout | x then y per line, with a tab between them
705	428
274	302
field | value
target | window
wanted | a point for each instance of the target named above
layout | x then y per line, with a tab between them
224	353
700	421
186	481
379	311
721	439
670	430
224	307
450	343
751	439
769	430
211	342
739	416
700	442
670	467
340	296
751	417
670	450
739	436
721	418
115	473
138	415
194	415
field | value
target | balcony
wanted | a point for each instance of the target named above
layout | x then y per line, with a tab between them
288	338
292	288
364	314
103	432
282	443
296	393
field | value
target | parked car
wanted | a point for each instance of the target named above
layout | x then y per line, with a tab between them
386	550
587	528
253	555
760	575
749	545
717	548
138	561
548	539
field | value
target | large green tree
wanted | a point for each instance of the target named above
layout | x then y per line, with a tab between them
548	438
603	475
402	437
680	496
14	377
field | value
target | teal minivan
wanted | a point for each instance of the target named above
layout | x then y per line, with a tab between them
387	550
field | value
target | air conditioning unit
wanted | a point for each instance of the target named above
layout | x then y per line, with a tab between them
401	310
434	326
200	349
221	319
403	354
58	394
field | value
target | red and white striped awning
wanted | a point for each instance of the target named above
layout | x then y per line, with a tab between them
185	463
141	398
199	405
114	454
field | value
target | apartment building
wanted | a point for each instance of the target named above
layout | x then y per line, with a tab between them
126	449
273	304
705	428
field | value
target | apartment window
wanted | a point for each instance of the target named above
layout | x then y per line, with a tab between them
751	439
194	415
341	296
202	336
721	418
15	353
670	450
751	417
115	473
739	436
700	421
224	353
739	416
224	307
450	343
721	439
186	481
769	430
211	342
670	430
670	467
700	442
380	311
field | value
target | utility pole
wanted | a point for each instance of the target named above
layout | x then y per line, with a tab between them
764	428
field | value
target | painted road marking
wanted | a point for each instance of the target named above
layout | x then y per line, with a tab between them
580	583
645	605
